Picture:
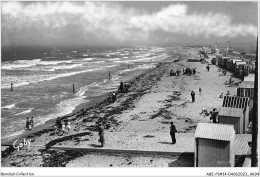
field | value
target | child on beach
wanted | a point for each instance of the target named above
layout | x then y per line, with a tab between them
68	126
113	97
62	128
27	125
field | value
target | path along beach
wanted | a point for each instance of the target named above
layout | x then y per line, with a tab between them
154	100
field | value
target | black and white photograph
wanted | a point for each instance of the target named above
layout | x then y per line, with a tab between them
133	85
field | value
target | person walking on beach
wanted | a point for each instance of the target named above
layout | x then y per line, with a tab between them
192	96
113	97
214	115
101	135
194	71
27	124
31	122
121	87
126	87
172	133
200	90
68	124
62	128
207	67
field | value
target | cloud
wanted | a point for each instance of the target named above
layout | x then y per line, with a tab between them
108	22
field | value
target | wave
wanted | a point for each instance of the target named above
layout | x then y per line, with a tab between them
13	134
19	64
10	106
48	77
87	59
24	112
22	64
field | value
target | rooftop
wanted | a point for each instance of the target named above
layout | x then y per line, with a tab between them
230	112
222	132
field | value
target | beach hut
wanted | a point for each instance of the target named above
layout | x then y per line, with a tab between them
232	116
238	102
214	145
232	64
225	61
246	89
219	61
214	61
250	78
239	68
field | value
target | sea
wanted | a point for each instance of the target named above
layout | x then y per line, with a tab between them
43	86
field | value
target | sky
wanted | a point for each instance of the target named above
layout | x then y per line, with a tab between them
127	23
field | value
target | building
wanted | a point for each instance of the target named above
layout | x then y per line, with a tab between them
232	116
246	89
214	145
250	78
241	103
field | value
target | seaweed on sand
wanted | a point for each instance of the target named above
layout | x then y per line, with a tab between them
162	113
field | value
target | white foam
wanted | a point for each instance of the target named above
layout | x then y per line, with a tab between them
10	106
24	112
19	64
13	134
22	64
47	77
88	59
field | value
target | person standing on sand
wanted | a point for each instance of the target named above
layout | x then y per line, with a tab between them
68	124
121	87
172	133
32	122
27	124
207	67
101	135
200	90
192	96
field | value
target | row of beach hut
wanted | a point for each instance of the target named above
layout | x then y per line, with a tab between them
240	67
215	143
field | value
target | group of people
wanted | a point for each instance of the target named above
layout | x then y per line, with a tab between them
62	127
113	96
29	123
213	114
123	87
173	73
189	71
222	94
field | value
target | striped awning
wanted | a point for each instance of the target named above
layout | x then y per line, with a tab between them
236	102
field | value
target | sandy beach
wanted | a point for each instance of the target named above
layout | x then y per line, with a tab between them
154	100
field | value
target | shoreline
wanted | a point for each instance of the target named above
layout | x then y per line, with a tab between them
93	102
153	97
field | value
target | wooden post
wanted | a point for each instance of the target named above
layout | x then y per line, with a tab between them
11	87
73	87
255	115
